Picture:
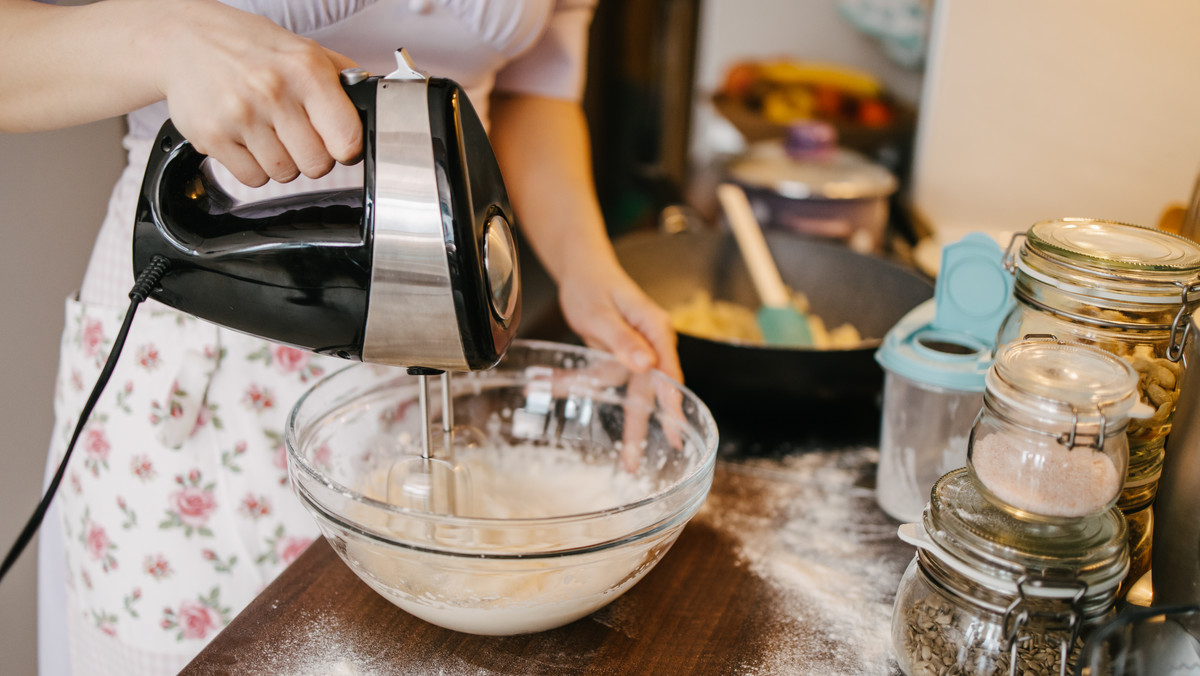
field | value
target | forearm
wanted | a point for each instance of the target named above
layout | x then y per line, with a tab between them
61	66
545	154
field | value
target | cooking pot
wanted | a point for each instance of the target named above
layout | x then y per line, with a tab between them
760	386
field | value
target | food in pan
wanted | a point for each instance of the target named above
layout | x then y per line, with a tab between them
706	317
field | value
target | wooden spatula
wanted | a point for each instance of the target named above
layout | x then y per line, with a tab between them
780	322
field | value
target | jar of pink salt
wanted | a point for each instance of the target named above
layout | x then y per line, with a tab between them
1050	442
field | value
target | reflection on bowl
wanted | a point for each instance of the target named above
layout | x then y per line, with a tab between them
579	477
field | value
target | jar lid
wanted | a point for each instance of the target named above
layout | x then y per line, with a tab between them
1107	261
990	546
947	341
1063	382
839	174
1110	244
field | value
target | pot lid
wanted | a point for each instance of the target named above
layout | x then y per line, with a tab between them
990	546
807	165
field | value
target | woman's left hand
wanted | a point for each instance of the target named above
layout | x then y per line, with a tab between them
609	311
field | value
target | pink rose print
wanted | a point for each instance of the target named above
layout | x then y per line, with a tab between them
157	567
255	507
281	457
193	505
289	359
93	337
195	620
105	622
283	548
148	357
142	468
97	541
76	381
96	446
291	547
190	506
259	398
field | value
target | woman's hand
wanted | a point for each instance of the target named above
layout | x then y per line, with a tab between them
264	102
609	311
259	99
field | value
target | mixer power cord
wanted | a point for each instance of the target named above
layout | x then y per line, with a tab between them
145	283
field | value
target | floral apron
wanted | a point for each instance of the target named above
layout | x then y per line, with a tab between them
175	512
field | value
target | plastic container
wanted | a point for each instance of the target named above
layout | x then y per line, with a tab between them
934	362
1050	440
566	515
1123	288
990	594
805	183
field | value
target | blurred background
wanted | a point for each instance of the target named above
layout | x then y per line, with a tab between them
990	116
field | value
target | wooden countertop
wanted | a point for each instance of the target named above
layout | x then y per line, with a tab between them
790	568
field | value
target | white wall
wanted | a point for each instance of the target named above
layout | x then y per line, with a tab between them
53	190
1037	109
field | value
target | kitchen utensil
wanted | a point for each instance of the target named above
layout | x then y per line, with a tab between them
432	481
1160	641
805	183
416	268
1175	557
564	523
780	321
935	360
833	394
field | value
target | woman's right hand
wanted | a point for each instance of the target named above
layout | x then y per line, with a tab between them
262	101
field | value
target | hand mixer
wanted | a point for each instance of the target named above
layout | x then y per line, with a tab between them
417	268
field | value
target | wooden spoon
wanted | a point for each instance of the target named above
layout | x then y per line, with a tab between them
778	319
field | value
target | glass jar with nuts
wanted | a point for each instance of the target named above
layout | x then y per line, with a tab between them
988	593
1126	289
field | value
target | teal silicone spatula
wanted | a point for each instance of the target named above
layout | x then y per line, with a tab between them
778	319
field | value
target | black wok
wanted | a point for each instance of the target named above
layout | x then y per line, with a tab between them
754	384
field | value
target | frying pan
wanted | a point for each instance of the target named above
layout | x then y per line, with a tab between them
759	384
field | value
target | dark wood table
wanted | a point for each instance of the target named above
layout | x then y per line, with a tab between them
790	568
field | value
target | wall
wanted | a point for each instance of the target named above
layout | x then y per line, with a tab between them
53	190
1036	110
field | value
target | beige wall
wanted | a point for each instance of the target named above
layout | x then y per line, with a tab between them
53	191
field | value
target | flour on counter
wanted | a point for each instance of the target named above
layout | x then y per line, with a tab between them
820	541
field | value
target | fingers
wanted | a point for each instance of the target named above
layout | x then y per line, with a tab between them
267	104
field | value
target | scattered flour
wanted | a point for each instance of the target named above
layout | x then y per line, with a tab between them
821	542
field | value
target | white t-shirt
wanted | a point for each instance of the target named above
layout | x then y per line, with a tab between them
536	47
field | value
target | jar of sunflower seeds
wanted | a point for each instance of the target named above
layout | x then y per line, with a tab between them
1126	289
988	593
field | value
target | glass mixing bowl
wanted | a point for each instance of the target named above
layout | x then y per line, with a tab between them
570	479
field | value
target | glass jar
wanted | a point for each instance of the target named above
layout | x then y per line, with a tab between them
1124	288
990	594
1050	440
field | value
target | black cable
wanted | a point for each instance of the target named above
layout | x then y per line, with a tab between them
145	283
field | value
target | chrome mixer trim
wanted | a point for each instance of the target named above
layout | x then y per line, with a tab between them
411	309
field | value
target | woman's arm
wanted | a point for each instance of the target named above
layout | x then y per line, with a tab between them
544	151
264	102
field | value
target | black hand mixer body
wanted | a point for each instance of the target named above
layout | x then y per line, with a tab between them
417	268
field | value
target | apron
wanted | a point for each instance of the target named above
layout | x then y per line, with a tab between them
175	511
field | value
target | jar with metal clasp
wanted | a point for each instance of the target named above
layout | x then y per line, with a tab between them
1126	289
988	593
1049	443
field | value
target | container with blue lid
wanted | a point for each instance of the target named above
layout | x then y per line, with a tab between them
935	360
